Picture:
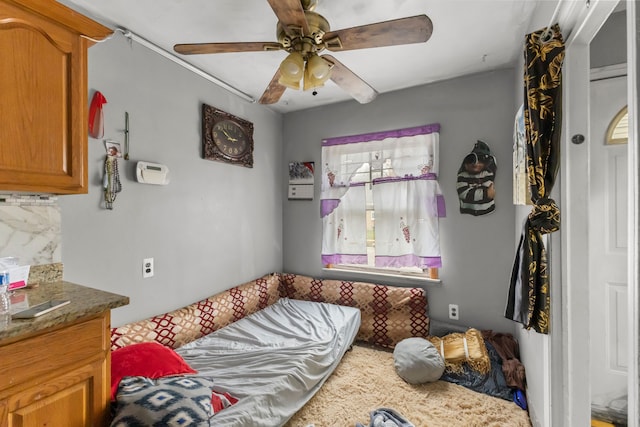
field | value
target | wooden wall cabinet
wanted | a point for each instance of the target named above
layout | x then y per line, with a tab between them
58	378
43	96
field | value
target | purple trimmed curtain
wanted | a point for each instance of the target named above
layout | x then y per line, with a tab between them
400	169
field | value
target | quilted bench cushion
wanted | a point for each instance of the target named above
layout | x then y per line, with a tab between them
389	314
178	327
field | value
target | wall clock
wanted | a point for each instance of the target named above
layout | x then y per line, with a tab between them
226	138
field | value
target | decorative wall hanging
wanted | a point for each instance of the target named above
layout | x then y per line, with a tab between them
476	189
111	181
96	116
301	180
226	138
113	148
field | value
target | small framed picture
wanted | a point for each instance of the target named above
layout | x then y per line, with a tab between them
301	180
113	148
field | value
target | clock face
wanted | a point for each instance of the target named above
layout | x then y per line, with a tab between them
230	138
226	138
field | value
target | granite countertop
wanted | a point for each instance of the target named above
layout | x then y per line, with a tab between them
85	302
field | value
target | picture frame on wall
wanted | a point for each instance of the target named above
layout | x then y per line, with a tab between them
301	180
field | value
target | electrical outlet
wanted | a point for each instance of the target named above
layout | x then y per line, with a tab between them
147	268
454	312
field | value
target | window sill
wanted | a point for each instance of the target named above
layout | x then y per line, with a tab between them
400	279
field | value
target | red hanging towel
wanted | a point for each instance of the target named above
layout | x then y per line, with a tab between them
96	118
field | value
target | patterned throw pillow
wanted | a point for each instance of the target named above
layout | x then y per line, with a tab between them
170	401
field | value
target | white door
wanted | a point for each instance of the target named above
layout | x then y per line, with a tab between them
607	245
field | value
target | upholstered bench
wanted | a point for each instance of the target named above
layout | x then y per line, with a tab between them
389	314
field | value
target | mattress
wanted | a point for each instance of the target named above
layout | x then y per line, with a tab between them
274	360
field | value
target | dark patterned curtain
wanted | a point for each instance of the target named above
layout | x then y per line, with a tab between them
528	301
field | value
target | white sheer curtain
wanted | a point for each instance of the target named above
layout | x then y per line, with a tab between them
407	233
345	230
402	167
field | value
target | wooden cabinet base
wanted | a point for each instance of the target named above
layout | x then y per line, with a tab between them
62	380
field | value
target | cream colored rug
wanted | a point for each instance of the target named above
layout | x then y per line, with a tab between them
366	380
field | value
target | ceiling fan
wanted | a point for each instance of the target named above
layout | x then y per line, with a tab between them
304	33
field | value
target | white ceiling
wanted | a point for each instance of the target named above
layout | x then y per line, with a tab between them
469	36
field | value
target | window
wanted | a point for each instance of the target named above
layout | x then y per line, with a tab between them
618	131
381	201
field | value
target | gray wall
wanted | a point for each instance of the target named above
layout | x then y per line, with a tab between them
477	251
214	215
214	226
609	46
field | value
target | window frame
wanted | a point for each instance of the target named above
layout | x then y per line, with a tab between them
368	271
613	125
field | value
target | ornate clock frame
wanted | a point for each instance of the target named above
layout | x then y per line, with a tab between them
214	149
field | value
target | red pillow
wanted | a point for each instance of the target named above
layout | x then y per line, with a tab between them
147	359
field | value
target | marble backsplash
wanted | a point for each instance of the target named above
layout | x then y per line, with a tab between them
30	229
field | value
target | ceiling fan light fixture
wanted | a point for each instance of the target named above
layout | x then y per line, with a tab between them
292	70
289	82
311	81
293	66
319	67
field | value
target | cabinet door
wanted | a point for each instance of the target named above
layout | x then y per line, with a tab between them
59	378
42	106
68	400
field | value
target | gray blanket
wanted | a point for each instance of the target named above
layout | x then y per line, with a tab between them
274	360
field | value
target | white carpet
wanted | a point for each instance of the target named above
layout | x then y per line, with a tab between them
366	380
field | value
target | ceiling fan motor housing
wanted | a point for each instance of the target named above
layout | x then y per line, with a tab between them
305	43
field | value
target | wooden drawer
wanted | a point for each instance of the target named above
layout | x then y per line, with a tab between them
53	352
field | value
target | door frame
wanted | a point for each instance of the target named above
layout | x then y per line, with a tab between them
633	270
599	152
574	198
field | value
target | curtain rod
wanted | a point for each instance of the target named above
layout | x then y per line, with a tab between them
157	49
555	14
548	32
